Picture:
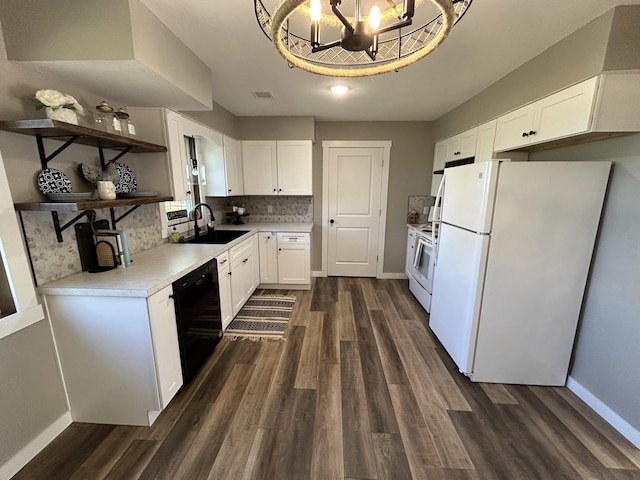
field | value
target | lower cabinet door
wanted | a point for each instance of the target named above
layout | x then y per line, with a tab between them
238	292
164	333
294	264
226	305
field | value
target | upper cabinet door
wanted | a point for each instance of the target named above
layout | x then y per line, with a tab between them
564	113
513	129
233	167
294	167
177	156
462	145
484	144
259	166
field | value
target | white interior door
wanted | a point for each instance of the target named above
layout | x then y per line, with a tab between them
354	210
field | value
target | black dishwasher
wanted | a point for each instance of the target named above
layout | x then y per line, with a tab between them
197	302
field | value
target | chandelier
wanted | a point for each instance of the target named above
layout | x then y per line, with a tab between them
379	43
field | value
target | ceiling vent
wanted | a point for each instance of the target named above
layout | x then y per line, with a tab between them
262	94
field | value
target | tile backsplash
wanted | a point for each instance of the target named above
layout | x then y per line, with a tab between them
284	209
418	203
52	260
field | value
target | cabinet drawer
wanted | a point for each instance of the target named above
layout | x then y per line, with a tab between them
241	250
301	238
223	261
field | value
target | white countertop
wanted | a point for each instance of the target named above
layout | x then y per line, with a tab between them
154	269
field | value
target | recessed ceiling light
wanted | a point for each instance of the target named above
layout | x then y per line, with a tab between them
339	89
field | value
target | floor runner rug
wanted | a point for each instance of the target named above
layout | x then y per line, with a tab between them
262	317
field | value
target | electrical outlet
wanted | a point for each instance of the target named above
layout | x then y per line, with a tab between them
269	208
425	210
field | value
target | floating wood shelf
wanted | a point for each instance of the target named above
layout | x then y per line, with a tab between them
54	129
75	134
87	204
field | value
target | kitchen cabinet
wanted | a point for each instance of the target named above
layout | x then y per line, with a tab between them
268	251
567	112
485	140
224	285
219	154
458	147
243	273
119	354
233	166
462	145
282	167
294	259
440	155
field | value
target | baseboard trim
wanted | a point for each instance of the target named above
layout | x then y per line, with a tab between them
616	421
35	446
391	276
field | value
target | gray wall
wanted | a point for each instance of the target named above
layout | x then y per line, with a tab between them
606	360
575	58
409	174
32	396
276	128
220	119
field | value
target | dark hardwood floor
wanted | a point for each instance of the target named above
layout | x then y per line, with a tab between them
360	389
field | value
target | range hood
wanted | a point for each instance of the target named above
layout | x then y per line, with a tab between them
117	48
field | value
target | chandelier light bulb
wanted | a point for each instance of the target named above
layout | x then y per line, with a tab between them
374	17
316	11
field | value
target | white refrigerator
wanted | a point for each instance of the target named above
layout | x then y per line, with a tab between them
512	259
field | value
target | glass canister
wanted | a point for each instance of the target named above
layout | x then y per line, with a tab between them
123	117
105	118
128	129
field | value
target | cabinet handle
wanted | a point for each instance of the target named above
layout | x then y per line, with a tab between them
279	189
171	295
525	134
532	132
456	153
223	262
274	189
188	192
229	189
229	273
331	221
279	249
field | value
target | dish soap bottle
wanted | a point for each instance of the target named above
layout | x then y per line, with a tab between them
175	235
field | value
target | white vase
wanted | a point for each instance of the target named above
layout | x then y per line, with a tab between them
62	114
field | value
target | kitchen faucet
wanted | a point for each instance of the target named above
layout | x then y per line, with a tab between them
195	218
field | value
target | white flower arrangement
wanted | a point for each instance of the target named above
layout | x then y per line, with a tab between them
54	99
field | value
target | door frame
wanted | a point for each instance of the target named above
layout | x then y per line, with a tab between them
386	160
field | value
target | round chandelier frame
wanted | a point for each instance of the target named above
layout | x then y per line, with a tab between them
394	53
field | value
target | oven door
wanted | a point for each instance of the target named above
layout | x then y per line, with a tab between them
423	264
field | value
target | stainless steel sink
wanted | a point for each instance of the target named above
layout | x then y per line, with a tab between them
219	237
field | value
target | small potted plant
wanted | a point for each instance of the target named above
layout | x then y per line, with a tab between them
58	105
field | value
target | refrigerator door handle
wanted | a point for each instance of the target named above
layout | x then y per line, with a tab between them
437	218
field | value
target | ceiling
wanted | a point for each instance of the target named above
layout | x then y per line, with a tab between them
491	40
